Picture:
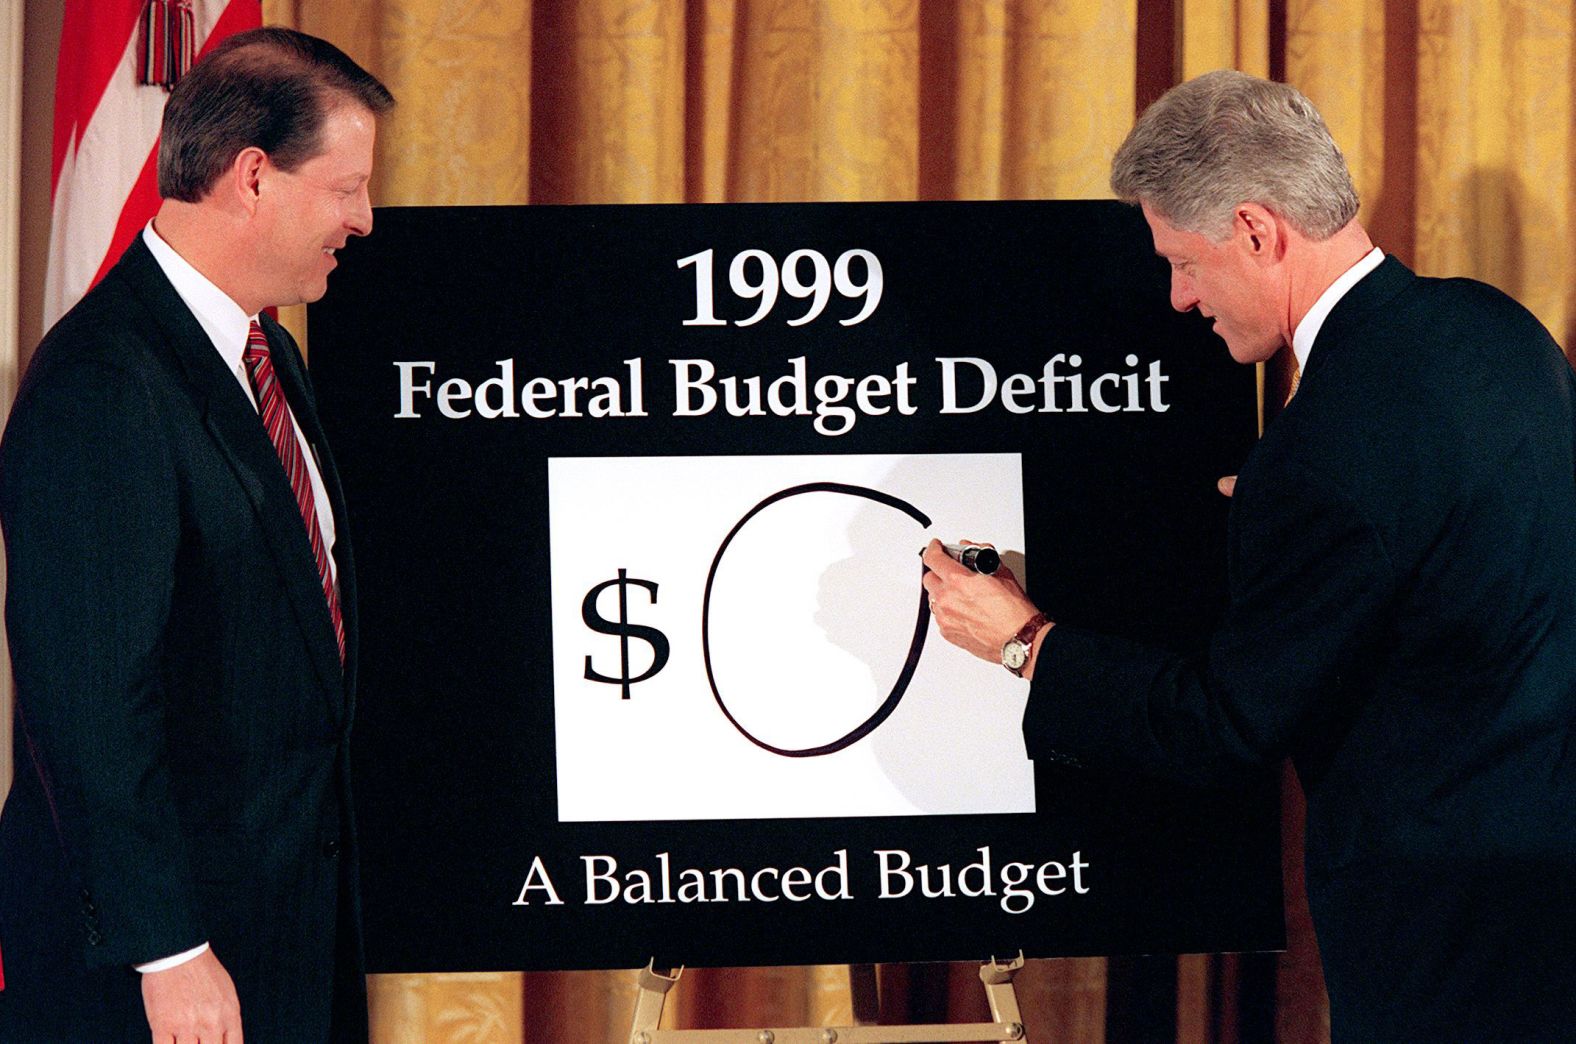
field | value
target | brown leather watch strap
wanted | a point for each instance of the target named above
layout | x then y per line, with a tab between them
1025	637
1027	632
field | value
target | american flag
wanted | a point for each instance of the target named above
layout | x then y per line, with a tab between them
117	61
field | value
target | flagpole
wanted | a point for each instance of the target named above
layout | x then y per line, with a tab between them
10	290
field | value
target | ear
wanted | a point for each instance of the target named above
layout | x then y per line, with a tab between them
246	177
1260	231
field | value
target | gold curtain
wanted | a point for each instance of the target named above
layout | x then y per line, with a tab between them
1223	34
1494	138
1456	119
1454	114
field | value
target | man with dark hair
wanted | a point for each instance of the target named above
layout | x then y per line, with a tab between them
177	852
1402	555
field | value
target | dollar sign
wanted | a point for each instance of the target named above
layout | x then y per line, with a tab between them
625	631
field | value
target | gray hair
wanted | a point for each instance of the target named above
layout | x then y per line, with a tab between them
1226	138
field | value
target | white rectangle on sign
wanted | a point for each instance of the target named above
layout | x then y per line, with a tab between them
738	638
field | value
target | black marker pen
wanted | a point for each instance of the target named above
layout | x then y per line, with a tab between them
974	556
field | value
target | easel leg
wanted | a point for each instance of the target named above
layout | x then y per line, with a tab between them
654	987
864	990
998	989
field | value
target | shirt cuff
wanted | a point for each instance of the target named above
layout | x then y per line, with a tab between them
166	963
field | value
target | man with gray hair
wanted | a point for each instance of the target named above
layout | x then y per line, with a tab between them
1402	555
177	852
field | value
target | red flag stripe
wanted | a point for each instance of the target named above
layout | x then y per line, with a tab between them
104	177
94	36
237	15
144	198
141	204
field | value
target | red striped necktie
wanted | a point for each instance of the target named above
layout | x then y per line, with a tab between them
276	419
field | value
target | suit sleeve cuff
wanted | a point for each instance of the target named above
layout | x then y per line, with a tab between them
166	963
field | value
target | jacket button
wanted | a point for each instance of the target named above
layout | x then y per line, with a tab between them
331	848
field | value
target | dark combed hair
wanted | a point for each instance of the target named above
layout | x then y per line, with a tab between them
270	88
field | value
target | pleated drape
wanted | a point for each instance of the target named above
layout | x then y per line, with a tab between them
1223	34
1455	116
1008	109
1494	136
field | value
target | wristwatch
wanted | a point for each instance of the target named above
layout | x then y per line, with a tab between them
1015	650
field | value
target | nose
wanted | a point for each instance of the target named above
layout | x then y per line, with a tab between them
358	219
1183	296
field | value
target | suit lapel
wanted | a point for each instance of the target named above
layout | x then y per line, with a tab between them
233	424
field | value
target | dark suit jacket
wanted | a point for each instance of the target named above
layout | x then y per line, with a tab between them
1403	623
182	715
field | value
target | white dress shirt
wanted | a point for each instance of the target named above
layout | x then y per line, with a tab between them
1302	338
228	327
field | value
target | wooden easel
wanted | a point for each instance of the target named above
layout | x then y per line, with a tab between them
1007	1029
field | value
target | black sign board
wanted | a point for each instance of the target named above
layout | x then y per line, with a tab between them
636	495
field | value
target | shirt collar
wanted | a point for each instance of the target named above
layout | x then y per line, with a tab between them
1307	330
226	325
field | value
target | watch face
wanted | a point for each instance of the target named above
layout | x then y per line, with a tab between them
1014	654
